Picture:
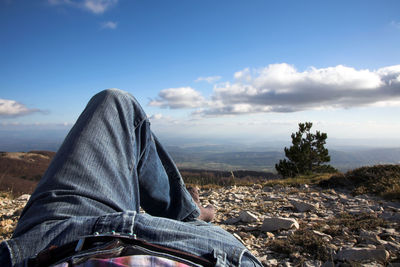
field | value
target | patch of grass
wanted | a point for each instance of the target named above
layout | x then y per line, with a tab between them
214	185
205	187
282	246
393	193
212	179
303	241
381	180
354	223
300	180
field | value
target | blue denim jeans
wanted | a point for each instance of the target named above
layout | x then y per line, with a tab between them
109	165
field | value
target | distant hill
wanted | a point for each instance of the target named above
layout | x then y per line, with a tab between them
20	171
364	157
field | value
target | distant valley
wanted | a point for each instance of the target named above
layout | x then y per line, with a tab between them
217	158
225	155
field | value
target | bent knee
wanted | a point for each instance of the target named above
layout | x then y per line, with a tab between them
115	92
114	96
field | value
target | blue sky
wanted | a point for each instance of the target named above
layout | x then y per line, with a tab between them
246	70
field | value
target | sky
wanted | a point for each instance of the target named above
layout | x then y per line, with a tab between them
247	70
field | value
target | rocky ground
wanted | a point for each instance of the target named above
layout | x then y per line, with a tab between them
293	226
309	226
10	210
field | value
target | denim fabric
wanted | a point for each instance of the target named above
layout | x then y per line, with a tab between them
110	164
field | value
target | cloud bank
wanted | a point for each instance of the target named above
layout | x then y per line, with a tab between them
11	108
282	88
94	6
175	98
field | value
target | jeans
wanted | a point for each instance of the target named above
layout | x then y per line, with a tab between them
109	165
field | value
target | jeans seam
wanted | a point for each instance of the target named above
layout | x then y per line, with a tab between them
132	223
148	143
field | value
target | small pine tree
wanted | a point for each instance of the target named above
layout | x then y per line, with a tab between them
307	153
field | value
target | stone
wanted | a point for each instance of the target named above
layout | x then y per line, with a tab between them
24	197
257	186
303	206
373	264
362	254
244	216
312	263
270	235
390	231
278	223
370	237
392	246
324	236
232	220
247	217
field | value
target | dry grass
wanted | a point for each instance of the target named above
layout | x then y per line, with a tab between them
215	179
381	180
303	242
300	180
352	223
392	193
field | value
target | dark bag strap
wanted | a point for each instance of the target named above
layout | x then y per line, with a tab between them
54	254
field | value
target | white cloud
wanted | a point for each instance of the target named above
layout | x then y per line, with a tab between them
210	79
11	108
282	88
94	6
174	98
99	6
109	25
157	116
243	75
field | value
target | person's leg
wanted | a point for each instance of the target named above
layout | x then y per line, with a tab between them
108	165
109	162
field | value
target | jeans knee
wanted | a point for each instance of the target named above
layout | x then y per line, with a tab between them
114	93
117	97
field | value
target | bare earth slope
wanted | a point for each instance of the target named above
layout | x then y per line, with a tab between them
20	172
